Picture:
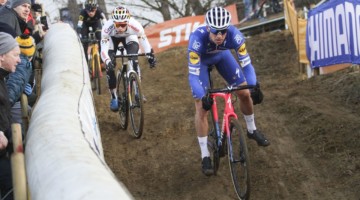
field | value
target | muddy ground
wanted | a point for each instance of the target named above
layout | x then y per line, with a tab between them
313	125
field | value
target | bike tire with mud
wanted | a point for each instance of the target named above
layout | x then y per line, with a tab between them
122	98
136	105
239	160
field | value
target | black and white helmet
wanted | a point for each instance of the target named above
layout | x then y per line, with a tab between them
218	18
91	4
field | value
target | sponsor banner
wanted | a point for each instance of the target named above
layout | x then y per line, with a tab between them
176	32
332	35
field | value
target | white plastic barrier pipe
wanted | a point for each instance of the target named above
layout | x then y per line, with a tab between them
64	155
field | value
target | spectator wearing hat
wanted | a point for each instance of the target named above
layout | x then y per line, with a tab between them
19	82
39	28
9	58
16	15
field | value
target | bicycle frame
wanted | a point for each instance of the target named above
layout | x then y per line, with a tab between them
229	111
94	48
92	51
235	140
130	93
129	68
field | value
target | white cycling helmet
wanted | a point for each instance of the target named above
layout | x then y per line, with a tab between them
120	14
218	18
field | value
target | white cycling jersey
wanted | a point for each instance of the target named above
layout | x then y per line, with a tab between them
134	32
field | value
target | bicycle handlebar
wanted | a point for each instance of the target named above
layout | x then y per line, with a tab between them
131	55
230	89
87	40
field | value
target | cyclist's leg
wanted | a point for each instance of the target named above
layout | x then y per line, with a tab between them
227	67
199	82
132	47
111	78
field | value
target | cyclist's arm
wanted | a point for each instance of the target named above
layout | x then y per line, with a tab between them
243	56
145	43
194	67
198	70
245	63
137	27
80	22
105	41
103	18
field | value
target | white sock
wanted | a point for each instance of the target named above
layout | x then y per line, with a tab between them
250	123
113	93
203	147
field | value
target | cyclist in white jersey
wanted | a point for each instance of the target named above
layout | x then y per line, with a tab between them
121	27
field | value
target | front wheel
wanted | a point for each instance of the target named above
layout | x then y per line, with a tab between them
213	141
122	98
239	160
136	105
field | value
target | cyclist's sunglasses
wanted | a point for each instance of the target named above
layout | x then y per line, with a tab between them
119	24
214	31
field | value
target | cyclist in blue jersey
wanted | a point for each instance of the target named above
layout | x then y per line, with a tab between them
209	45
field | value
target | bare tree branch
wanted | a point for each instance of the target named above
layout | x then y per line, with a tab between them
172	9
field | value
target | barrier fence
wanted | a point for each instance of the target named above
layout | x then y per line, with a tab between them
64	155
298	26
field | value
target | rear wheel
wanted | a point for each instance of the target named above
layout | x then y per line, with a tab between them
97	74
136	105
122	98
213	140
239	160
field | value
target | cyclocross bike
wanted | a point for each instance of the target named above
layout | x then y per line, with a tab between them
130	96
94	61
229	139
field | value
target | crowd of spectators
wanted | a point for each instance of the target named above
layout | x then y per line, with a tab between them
20	31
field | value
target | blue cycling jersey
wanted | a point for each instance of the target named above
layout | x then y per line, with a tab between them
202	53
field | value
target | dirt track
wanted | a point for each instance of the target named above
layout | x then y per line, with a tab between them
313	126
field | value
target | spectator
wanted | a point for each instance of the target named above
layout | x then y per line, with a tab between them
16	15
250	8
9	58
2	2
7	29
275	6
19	82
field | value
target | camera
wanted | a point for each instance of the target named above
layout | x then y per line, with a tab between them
44	21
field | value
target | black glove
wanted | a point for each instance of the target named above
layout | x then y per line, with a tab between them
207	102
109	66
151	59
256	94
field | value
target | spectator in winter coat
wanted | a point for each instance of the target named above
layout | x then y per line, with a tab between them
18	82
16	15
9	58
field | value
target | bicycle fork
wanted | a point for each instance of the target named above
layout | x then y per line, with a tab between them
220	134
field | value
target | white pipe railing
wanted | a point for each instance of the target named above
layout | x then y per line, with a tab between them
63	150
